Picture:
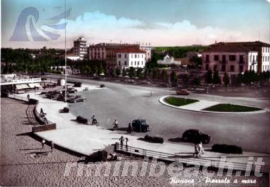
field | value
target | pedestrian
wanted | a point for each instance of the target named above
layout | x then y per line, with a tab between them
43	143
28	97
201	151
52	145
129	130
197	150
121	141
115	124
126	144
151	93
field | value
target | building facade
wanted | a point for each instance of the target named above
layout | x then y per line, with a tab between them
237	57
130	57
80	48
108	52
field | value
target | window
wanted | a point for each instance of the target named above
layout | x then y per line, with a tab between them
223	67
215	68
207	58
125	63
216	57
119	63
232	68
119	55
131	63
125	55
241	68
207	67
232	57
135	56
241	59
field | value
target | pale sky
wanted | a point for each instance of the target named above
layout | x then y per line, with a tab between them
35	23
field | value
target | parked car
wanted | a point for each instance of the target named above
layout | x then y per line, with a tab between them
195	136
76	99
140	125
182	92
71	90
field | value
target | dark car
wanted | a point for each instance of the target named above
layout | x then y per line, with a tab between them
76	99
140	125
195	136
182	92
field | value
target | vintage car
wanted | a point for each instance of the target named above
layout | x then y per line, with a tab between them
182	92
195	136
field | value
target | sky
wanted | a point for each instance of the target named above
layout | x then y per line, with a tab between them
35	23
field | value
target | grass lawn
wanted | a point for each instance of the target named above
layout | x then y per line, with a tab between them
176	101
231	108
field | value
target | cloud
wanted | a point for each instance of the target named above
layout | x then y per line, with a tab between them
98	27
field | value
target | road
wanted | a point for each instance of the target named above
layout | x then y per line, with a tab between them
127	102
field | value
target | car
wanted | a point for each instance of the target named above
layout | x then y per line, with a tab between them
76	99
195	136
140	125
182	92
71	90
102	85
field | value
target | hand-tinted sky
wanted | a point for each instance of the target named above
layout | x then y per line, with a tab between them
159	22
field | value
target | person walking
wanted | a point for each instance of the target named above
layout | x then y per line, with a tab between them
115	124
43	143
121	141
201	151
28	97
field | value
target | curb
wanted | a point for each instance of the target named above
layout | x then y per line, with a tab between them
161	100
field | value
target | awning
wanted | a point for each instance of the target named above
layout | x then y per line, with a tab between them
22	86
33	85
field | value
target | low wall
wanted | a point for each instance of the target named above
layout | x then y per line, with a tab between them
41	128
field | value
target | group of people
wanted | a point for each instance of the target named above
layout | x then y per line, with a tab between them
198	149
122	139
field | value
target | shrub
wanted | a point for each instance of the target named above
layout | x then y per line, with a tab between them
153	139
81	119
102	86
66	110
223	148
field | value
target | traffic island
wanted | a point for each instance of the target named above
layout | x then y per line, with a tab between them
177	101
231	108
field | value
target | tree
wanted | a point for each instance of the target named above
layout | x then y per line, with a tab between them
118	72
154	73
173	78
185	78
139	73
113	72
216	77
197	81
95	70
124	72
226	79
208	77
100	69
164	75
131	72
88	70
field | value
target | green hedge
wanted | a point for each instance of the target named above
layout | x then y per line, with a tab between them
224	148
176	101
231	108
154	139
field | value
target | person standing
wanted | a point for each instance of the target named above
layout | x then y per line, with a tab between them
28	97
121	141
115	124
52	145
126	144
201	151
129	128
197	150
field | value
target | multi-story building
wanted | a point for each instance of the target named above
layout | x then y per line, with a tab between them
130	57
107	52
80	48
148	49
237	57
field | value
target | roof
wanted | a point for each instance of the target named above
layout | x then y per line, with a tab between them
130	50
236	46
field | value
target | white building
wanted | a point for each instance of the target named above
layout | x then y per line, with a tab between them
130	57
148	51
167	60
80	48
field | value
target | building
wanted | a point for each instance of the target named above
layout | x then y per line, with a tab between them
167	60
80	48
237	57
107	52
193	54
148	49
130	57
